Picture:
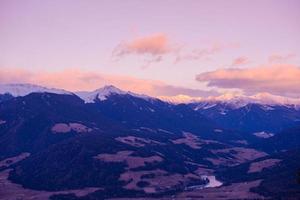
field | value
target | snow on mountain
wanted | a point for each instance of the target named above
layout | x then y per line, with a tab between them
180	99
25	89
260	98
102	94
235	100
268	99
263	134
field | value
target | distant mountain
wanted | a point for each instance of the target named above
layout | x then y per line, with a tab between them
17	90
136	111
235	100
238	114
253	118
232	100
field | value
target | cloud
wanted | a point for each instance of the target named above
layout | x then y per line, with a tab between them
8	75
77	80
276	58
239	61
279	79
154	45
197	54
153	48
203	53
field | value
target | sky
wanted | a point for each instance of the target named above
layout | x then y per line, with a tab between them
159	48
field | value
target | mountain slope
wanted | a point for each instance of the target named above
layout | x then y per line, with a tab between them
139	163
285	140
278	173
251	118
28	121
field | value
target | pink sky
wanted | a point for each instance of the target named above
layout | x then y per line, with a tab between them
166	47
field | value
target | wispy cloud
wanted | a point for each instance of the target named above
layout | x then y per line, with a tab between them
277	58
202	53
280	79
242	60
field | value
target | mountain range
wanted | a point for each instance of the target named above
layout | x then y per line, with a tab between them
109	144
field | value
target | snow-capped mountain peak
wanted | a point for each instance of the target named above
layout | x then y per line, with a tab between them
25	89
111	89
104	92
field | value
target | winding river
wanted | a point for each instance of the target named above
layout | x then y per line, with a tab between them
213	182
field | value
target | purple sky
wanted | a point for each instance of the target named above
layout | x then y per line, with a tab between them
165	43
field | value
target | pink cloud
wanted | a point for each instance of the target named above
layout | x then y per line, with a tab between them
154	45
276	58
76	80
8	75
242	60
280	79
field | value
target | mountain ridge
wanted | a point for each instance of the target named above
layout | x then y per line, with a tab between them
232	100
